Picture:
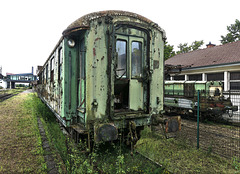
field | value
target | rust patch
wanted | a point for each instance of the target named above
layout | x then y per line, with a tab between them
97	40
94	52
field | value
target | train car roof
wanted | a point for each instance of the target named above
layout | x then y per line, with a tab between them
84	21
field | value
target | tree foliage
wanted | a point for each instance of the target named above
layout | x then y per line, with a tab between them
197	44
184	48
233	34
168	51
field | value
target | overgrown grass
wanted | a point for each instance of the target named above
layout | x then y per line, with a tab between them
21	147
179	156
105	158
20	150
12	91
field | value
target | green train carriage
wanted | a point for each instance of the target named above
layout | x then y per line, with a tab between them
182	97
103	75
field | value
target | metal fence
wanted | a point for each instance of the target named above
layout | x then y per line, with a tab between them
220	135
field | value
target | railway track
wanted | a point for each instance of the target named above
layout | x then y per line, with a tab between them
153	162
5	96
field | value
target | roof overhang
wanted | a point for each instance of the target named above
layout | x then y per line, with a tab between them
212	66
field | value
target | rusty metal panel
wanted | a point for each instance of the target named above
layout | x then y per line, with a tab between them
136	95
157	74
96	72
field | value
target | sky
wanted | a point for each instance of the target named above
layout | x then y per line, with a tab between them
30	29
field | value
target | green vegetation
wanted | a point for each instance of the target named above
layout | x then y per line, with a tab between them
178	156
12	91
21	149
233	34
105	157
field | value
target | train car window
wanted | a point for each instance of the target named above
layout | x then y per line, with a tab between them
43	75
189	90
60	57
136	61
52	69
46	73
81	79
40	78
82	60
121	48
52	63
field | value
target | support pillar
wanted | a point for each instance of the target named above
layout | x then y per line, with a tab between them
204	77
186	77
226	81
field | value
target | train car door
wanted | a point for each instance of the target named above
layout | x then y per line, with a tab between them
81	82
130	89
136	86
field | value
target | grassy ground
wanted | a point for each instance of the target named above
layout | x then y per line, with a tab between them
12	91
105	158
20	149
180	157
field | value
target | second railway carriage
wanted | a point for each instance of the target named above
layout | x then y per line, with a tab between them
103	75
181	97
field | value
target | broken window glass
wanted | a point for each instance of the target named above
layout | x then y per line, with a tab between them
136	59
121	48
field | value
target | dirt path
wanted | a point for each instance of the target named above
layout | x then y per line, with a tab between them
20	142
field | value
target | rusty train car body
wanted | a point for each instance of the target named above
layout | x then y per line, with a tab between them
105	74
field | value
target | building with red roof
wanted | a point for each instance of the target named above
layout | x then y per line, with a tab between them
221	63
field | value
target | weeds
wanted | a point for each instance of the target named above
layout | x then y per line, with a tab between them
105	158
236	164
178	156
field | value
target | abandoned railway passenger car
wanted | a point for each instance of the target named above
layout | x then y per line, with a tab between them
105	74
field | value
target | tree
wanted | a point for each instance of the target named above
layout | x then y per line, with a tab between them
233	34
168	51
184	48
197	44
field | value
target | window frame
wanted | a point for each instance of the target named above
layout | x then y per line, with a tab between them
234	81
124	75
140	74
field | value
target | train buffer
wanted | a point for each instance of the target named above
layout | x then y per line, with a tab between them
170	125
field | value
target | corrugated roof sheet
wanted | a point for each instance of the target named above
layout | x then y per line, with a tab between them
222	54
